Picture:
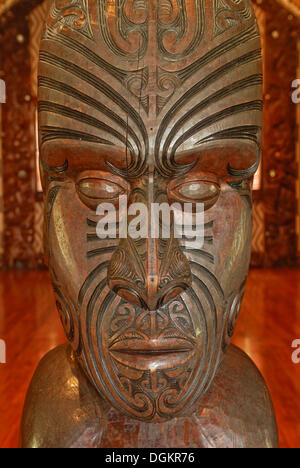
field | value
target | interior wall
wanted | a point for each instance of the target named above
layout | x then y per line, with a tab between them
18	139
280	160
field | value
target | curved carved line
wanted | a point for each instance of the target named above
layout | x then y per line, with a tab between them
104	88
208	256
217	52
237	86
58	169
102	251
244	172
95	104
179	26
123	76
205	272
230	111
84	288
121	19
210	300
46	106
244	132
117	73
201	85
50	133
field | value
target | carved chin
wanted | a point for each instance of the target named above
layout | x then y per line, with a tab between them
152	365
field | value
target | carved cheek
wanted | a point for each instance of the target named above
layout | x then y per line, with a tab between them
232	238
67	234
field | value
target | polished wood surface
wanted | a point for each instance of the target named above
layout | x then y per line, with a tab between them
268	324
127	109
30	326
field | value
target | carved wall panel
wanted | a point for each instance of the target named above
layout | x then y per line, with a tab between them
280	172
18	144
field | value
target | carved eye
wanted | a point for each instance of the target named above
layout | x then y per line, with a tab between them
94	190
99	188
196	191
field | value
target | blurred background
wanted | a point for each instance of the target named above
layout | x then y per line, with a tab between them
270	316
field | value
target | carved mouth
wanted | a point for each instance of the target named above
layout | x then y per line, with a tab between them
152	354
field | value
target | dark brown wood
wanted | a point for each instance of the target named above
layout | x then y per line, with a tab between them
160	101
265	330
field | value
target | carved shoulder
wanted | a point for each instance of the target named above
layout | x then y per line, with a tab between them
238	406
62	409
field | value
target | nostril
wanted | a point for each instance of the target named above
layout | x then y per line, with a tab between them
130	296
172	294
125	278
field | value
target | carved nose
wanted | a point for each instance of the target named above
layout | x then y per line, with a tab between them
149	277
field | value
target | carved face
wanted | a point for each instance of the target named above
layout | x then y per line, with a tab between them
159	101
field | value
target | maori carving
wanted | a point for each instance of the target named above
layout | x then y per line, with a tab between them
232	313
175	19
124	27
278	197
70	14
143	295
230	12
150	317
18	145
280	233
68	315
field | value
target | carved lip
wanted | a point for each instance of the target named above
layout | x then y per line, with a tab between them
152	346
152	354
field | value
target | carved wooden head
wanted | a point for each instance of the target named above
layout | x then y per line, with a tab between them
161	101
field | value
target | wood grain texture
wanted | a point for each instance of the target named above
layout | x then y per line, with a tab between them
149	318
277	226
268	323
30	327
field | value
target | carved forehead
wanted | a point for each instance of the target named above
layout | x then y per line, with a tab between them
154	78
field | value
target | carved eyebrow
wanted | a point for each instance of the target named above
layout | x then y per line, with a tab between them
236	86
243	132
137	163
50	133
56	169
254	80
218	116
244	173
86	99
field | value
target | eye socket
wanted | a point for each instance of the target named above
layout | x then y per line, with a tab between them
93	189
198	191
99	188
